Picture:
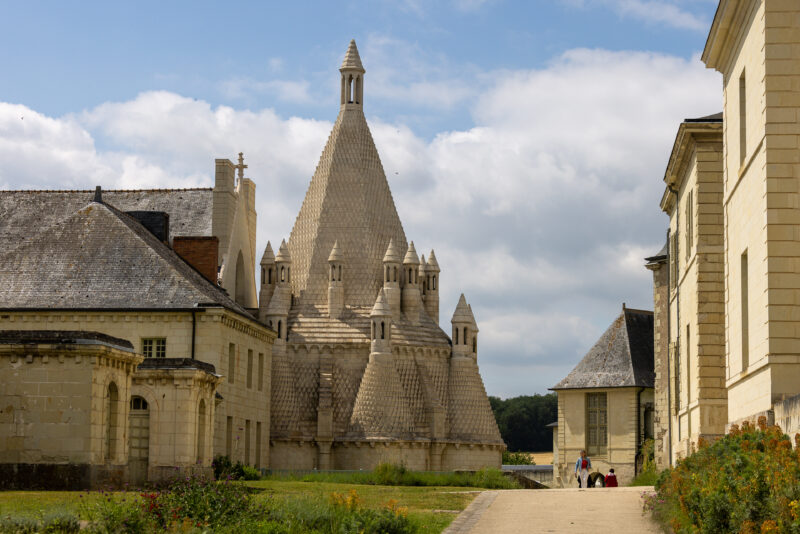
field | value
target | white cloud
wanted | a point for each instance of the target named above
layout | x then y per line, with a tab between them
541	213
666	12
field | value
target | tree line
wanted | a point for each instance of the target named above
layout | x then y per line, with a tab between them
523	421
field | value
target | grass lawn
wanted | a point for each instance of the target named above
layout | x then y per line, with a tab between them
432	507
420	501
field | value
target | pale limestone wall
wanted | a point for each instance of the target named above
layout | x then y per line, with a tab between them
173	398
761	200
661	396
215	330
621	451
699	400
54	402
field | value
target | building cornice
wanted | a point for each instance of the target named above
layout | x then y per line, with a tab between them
725	30
689	134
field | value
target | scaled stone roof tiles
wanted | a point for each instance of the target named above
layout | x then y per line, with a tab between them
101	258
24	213
622	357
62	337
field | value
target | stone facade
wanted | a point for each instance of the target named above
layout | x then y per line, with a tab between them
739	310
362	373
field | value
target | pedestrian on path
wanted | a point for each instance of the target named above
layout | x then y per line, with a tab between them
611	479
582	467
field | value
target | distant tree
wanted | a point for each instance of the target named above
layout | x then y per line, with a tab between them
523	420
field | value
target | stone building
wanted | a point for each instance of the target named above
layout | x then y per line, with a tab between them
362	373
76	268
727	290
605	404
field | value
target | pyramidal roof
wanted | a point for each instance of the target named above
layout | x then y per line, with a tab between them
463	312
622	357
269	255
351	58
348	201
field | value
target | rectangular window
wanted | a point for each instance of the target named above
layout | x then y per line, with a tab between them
688	366
689	224
228	436
596	423
258	443
745	315
742	119
673	260
260	371
154	347
263	276
247	442
676	363
231	362
249	368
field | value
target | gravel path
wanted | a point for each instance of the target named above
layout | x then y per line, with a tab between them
601	510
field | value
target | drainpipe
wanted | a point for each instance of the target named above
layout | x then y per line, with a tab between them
669	367
677	301
638	440
194	327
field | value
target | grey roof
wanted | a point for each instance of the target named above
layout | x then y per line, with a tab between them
622	357
62	337
101	258
176	363
716	117
659	256
24	213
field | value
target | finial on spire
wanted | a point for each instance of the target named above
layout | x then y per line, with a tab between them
352	61
241	166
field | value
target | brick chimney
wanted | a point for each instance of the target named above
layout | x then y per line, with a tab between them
199	252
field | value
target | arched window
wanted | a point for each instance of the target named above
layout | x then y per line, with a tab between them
383	330
112	407
333	273
240	290
280	330
455	336
201	431
269	275
263	276
269	323
340	273
388	272
283	273
465	336
350	90
475	344
410	276
434	282
372	330
395	274
358	90
288	274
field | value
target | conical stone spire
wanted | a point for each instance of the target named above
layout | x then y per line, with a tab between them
349	200
463	312
269	256
336	254
352	61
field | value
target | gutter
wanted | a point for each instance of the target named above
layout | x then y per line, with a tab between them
194	328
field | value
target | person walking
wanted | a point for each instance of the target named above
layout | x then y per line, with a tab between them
611	479
582	467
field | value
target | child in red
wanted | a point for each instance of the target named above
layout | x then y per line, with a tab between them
611	479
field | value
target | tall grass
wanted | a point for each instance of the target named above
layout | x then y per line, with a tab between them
387	474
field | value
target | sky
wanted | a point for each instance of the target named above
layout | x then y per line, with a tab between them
525	141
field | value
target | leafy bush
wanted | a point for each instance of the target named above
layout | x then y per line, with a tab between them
225	468
517	458
745	482
109	515
201	501
648	475
18	525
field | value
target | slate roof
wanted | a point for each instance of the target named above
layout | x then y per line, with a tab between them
622	357
659	256
101	258
25	213
62	337
716	117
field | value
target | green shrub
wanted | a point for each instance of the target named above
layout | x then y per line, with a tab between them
18	525
109	515
745	482
250	473
60	523
224	468
198	501
517	458
648	474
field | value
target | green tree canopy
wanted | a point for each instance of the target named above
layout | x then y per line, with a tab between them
523	421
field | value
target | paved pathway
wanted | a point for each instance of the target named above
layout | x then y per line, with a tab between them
613	511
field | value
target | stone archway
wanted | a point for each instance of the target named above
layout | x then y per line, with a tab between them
139	440
240	290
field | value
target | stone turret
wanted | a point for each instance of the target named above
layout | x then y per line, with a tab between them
267	281
335	285
391	277
278	310
411	298
465	331
352	78
432	287
381	409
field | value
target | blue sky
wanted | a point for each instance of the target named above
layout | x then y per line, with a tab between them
525	141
